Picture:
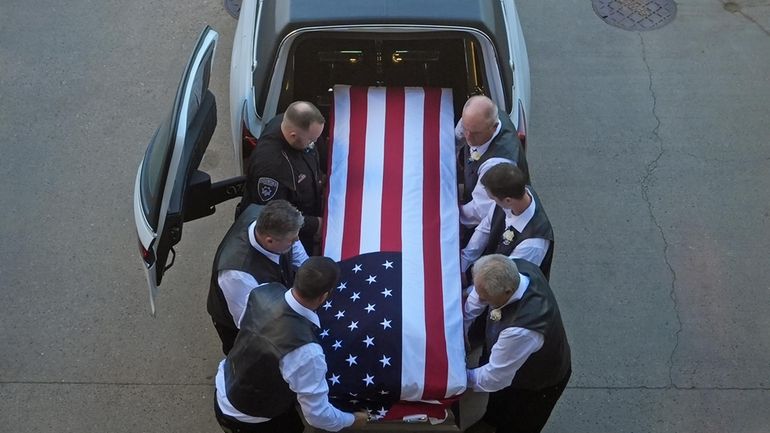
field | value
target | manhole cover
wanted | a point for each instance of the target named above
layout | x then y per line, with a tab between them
233	7
635	14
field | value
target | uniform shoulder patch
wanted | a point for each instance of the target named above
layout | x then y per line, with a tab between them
267	187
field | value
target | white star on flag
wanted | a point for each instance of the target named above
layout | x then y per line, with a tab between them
327	305
351	360
371	279
382	412
369	308
385	324
337	344
340	314
353	325
342	286
387	292
388	264
335	379
369	341
369	380
356	296
357	269
385	361
325	333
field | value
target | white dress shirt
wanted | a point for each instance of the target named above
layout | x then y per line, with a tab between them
532	250
472	212
304	369
236	285
514	345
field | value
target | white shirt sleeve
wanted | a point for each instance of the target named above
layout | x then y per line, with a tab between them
477	243
532	250
472	212
472	309
304	369
513	347
298	254
236	286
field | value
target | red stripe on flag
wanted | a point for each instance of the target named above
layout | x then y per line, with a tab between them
351	238
393	166
436	363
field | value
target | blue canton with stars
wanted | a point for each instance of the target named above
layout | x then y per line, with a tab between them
361	334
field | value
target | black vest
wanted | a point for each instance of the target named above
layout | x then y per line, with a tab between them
269	330
506	144
537	311
537	227
236	253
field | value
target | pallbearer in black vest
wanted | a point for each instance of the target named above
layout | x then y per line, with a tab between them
488	138
276	360
261	247
526	361
517	226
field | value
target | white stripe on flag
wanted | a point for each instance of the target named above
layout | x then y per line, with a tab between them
371	205
413	298
450	245
335	206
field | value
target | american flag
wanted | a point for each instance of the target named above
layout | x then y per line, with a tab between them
393	199
360	333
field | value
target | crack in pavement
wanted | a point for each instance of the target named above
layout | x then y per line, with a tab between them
646	182
750	18
736	8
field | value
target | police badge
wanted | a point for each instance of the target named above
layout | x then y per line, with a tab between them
266	188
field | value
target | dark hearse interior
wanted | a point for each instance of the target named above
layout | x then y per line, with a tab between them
320	60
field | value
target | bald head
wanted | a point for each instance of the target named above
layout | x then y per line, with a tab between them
302	114
479	120
302	124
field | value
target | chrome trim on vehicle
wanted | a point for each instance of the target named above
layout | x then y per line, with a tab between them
143	229
146	237
257	20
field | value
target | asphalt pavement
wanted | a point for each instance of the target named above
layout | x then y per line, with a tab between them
649	150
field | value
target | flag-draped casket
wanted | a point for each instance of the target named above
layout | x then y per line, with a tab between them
392	330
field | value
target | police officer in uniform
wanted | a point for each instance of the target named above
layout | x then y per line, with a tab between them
526	362
277	360
261	247
286	165
517	226
488	138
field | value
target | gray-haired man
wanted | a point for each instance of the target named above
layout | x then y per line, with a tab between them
526	360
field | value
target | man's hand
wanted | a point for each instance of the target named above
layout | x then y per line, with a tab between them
362	418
